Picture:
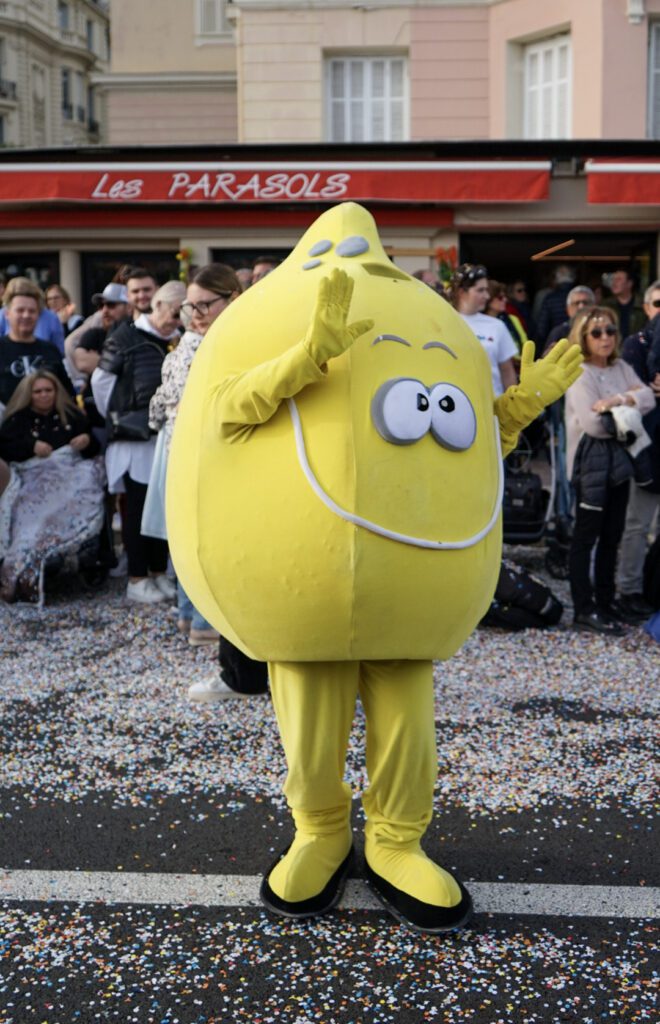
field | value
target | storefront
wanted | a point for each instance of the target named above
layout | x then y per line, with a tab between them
518	207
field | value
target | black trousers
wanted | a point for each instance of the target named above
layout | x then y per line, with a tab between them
604	529
240	672
145	554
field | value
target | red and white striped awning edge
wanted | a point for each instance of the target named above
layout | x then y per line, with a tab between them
634	182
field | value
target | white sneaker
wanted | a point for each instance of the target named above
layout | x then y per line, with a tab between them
207	691
166	586
144	591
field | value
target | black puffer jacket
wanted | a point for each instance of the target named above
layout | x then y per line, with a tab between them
136	358
600	464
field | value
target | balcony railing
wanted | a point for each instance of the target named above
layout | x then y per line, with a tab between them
8	90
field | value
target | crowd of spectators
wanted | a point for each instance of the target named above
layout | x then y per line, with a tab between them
89	399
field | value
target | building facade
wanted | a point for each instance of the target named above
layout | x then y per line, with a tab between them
230	126
310	71
49	52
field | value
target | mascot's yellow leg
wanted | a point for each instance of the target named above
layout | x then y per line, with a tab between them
314	704
402	767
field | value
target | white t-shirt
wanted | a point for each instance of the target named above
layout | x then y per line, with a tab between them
496	342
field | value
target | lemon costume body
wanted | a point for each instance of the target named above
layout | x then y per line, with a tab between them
334	492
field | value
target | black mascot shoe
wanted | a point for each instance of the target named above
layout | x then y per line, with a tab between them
417	915
328	898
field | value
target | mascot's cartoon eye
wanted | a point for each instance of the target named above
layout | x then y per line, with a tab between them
453	422
401	410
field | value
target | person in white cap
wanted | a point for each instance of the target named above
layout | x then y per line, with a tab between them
112	303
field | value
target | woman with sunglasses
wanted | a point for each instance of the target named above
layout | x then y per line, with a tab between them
600	471
497	307
128	373
209	293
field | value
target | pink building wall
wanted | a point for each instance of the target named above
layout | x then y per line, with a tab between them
448	66
610	64
138	116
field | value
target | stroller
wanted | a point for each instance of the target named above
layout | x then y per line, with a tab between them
530	511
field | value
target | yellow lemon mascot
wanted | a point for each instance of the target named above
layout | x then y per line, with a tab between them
334	493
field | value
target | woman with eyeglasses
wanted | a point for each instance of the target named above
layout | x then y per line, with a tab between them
209	293
599	466
123	383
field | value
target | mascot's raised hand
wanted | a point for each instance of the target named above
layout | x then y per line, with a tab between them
542	382
329	334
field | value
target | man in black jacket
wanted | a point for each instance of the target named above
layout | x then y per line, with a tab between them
553	308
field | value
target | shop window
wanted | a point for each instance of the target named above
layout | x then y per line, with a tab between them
211	19
547	88
366	99
42	268
654	80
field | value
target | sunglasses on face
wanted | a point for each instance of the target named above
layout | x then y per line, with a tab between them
202	308
597	332
655	303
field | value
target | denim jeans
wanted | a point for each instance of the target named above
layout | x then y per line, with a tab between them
188	611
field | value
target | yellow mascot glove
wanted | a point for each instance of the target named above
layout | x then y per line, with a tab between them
542	382
328	334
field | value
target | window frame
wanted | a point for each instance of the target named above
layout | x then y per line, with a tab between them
64	15
367	60
540	47
203	37
67	93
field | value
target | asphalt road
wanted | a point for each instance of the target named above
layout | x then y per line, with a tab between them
134	828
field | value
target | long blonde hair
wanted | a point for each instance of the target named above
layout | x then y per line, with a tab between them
22	397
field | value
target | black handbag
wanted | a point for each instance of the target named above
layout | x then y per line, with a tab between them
130	426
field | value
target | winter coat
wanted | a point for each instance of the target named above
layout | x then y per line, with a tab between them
136	358
20	432
600	464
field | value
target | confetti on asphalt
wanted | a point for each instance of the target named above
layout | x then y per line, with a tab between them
94	711
192	967
521	718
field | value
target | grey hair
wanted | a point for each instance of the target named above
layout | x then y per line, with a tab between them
580	289
171	291
564	273
649	291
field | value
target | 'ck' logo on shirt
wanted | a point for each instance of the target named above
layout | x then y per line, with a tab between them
24	366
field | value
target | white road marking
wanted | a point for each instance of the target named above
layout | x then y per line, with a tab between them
243	891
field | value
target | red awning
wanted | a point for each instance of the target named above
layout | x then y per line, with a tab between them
507	181
623	181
